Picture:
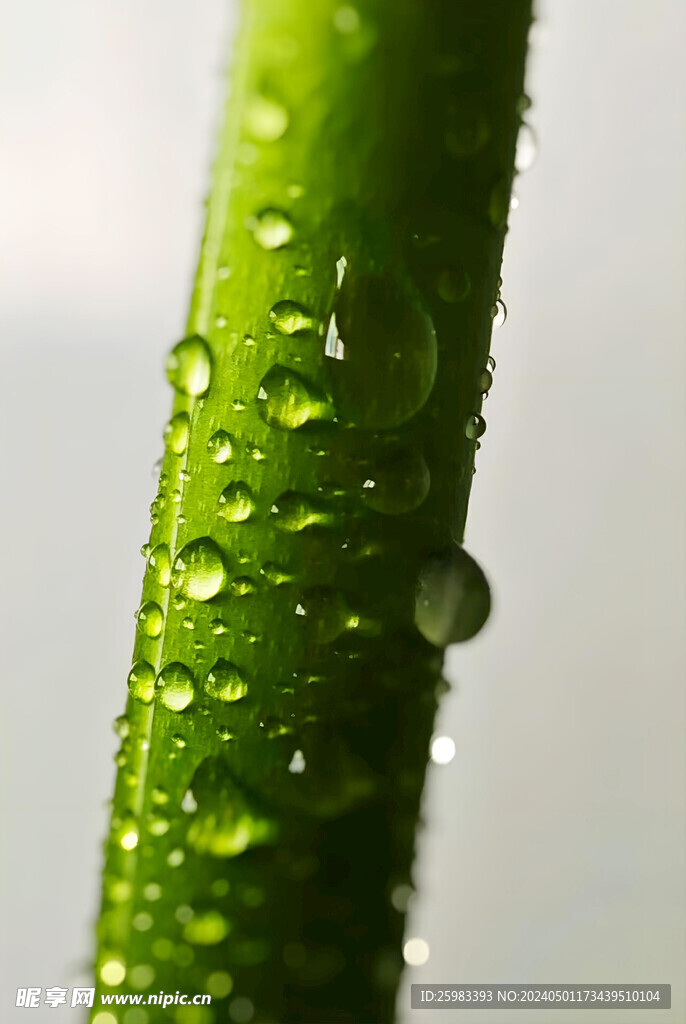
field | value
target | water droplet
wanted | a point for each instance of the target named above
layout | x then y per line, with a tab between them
416	952
485	382
401	897
113	971
271	229
150	619
159	796
287	401
236	502
467	130
254	452
297	763
453	284
218	626
219	984
294	512
499	203
220	446
265	119
227	821
206	929
475	427
141	682
389	352
158	825
398	483
275	574
122	727
242	586
189	366
442	749
176	686
176	433
346	20
159	561
527	148
499	313
290	317
327	614
142	975
453	599
199	571
225	682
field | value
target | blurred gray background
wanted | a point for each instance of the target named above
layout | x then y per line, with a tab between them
555	846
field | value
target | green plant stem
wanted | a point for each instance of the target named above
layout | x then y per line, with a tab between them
268	789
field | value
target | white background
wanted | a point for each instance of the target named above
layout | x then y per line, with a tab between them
555	848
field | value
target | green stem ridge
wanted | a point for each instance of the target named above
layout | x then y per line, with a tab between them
304	565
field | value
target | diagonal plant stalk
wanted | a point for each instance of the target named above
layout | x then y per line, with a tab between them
305	568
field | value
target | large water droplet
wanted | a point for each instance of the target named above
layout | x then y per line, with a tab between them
141	682
287	401
220	446
265	119
293	512
159	560
189	366
453	599
199	571
150	619
398	483
236	502
176	433
271	229
225	682
384	361
227	822
290	317
176	686
327	614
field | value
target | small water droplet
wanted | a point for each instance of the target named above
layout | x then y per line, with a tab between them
236	502
275	574
141	682
297	763
189	366
485	382
265	119
293	512
220	446
475	427
122	727
225	682
399	482
499	313
150	619
416	952
527	148
389	352
175	686
242	586
199	571
176	433
206	929
159	561
442	749
287	401
290	317
271	229
218	626
467	130
453	284
453	599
